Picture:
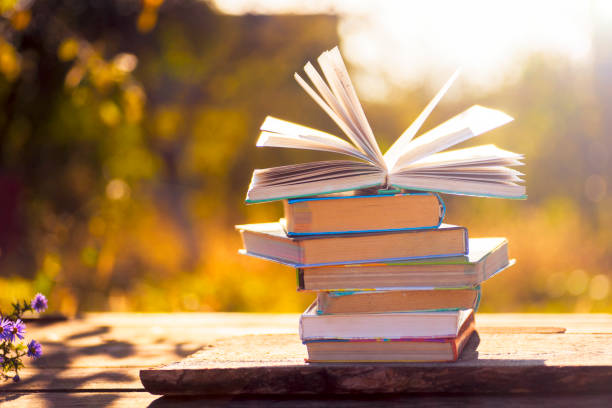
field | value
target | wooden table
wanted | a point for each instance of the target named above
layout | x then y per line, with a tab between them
95	360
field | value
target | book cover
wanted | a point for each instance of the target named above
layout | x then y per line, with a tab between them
396	325
388	301
391	350
486	258
269	241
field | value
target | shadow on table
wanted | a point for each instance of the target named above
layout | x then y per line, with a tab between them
470	351
61	368
58	399
59	358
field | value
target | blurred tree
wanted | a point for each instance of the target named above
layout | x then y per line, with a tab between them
123	123
127	143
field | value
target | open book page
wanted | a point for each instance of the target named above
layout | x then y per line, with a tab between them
472	173
280	133
473	122
485	155
305	179
479	169
493	170
336	117
461	186
337	106
401	144
338	99
335	71
411	163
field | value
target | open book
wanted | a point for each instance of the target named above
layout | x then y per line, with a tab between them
410	163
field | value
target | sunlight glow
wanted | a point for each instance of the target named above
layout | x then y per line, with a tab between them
405	42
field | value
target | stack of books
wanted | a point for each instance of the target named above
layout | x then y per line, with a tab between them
393	282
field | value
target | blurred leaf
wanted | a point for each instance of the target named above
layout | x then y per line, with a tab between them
10	61
68	49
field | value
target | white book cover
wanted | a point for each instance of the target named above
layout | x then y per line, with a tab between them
388	326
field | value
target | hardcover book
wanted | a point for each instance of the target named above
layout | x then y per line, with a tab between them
403	325
269	241
486	257
444	349
410	163
387	301
362	213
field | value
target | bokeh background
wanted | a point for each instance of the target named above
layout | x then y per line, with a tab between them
128	128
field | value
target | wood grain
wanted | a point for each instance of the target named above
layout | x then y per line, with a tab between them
96	359
491	363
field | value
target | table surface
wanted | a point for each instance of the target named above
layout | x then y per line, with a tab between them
95	360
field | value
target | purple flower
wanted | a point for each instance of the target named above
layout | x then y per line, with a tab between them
16	378
5	328
39	303
34	349
16	330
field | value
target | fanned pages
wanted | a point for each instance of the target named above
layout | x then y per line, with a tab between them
280	133
473	122
400	144
412	163
306	179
